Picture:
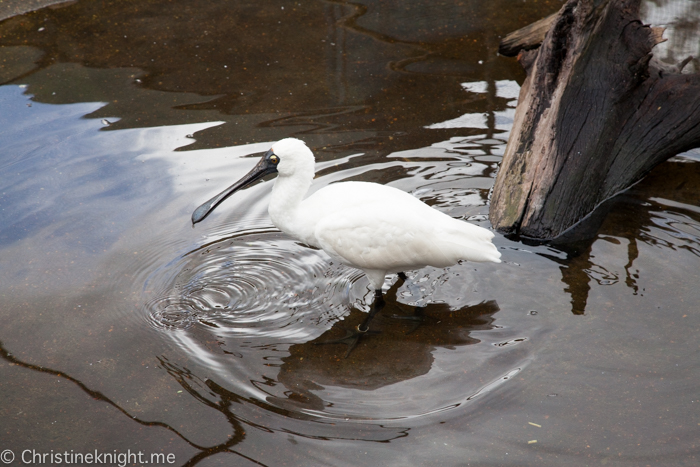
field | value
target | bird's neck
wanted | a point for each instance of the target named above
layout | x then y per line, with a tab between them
287	195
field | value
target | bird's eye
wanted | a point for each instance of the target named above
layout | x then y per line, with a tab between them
274	159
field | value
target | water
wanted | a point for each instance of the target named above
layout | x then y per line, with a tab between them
125	329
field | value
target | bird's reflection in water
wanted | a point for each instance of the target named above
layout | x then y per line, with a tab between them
402	349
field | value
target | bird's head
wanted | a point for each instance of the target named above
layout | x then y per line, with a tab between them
293	155
287	157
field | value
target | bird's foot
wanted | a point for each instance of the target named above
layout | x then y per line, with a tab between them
416	319
351	338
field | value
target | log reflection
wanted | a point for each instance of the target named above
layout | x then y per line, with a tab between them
237	434
636	216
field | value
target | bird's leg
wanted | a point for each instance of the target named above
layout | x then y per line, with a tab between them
419	311
352	337
377	306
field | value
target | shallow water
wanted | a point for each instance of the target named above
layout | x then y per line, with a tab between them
125	329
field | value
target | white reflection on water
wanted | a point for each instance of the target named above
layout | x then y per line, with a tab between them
503	119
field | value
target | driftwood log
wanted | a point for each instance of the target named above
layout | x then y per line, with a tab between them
596	113
527	38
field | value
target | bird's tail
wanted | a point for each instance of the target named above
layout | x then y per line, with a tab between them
473	243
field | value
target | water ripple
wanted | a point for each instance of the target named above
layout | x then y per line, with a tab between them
259	283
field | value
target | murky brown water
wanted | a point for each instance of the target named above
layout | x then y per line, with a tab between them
125	329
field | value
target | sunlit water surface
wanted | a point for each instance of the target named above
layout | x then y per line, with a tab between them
124	328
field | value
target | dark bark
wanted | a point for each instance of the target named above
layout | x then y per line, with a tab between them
595	115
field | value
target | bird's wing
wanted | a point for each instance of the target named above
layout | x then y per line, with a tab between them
373	226
379	238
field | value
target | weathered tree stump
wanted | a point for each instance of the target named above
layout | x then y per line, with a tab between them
595	115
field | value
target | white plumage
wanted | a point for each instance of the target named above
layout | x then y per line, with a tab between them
372	227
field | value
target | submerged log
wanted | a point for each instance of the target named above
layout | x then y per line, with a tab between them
595	115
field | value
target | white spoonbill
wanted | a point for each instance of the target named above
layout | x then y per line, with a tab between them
372	227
